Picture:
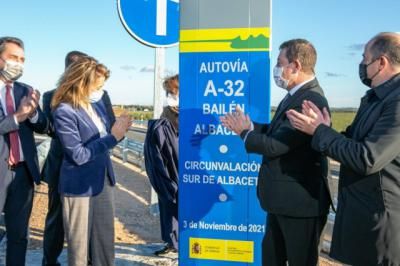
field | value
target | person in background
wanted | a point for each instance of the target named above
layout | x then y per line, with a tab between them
367	224
161	161
86	176
171	87
20	117
53	239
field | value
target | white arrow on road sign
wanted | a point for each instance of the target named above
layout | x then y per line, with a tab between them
161	29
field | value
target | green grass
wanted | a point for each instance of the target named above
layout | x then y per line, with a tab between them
340	120
141	115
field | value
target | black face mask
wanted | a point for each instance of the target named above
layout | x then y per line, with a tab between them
362	71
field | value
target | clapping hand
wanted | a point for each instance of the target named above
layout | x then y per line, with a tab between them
237	121
310	118
28	105
33	99
121	126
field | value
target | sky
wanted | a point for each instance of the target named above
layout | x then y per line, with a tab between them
337	28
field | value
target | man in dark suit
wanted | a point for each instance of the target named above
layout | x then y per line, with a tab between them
20	117
292	182
367	224
53	240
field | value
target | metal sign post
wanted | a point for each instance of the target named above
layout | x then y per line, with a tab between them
159	72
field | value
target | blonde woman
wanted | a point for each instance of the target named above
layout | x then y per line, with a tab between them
86	175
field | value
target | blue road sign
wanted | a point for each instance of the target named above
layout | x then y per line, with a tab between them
220	220
152	22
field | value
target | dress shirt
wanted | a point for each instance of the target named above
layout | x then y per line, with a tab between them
33	120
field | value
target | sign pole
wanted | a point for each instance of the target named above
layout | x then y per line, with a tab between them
159	72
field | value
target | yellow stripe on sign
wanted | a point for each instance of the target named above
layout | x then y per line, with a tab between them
217	34
219	249
225	40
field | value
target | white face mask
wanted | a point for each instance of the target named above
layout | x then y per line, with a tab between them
96	95
172	100
279	80
12	70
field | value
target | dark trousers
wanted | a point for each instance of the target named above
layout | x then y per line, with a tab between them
292	239
17	210
53	239
167	211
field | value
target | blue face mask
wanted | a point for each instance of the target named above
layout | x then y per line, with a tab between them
96	96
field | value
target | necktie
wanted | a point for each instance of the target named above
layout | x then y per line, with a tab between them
286	99
283	103
14	138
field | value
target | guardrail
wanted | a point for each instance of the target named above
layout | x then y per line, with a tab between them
139	123
130	151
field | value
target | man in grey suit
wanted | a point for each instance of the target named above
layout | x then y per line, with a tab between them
20	117
367	225
53	239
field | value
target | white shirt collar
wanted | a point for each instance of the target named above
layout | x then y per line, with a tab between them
2	84
297	87
3	94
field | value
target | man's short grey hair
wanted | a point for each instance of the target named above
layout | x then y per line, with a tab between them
387	44
5	40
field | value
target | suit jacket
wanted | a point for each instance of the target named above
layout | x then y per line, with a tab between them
367	225
51	169
293	177
86	158
25	131
161	158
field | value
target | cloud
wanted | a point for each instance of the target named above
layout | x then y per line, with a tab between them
356	47
150	69
128	67
147	69
334	75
